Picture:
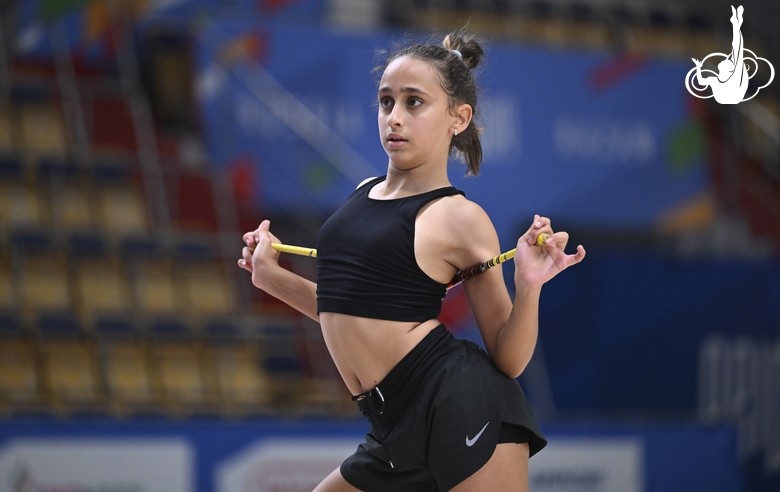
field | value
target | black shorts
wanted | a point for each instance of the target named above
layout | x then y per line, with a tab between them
437	417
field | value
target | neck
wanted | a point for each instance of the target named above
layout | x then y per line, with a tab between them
402	182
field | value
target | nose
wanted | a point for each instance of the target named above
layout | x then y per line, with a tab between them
394	118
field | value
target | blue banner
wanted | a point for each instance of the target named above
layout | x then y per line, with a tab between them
274	454
584	138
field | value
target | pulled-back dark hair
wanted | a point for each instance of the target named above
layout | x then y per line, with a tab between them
456	79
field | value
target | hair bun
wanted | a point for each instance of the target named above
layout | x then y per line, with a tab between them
468	46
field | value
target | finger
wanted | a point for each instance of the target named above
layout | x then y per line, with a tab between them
262	235
580	253
246	265
246	254
541	222
531	227
560	239
575	258
541	227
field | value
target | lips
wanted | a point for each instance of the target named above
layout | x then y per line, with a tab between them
395	140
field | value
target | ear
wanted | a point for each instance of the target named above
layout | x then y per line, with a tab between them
462	114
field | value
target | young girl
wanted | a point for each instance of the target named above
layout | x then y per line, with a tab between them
444	414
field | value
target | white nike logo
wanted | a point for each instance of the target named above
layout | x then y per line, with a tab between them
470	442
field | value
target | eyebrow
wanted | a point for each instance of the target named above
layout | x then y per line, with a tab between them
412	90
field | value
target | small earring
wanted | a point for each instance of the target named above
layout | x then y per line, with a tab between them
455	133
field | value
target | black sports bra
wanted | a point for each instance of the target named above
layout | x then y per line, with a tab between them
365	259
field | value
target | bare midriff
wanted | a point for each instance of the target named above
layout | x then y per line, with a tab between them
365	349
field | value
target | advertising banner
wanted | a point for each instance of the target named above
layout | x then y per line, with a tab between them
264	455
91	465
585	138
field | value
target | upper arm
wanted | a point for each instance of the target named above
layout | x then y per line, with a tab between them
475	240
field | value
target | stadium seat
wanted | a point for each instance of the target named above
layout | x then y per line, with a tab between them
7	286
121	210
19	385
74	212
103	289
6	131
125	366
21	206
156	289
244	387
180	374
43	133
70	371
206	288
44	285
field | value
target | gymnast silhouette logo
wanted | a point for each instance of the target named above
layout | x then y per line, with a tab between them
730	84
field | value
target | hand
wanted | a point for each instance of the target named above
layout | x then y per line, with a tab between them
535	265
697	62
258	254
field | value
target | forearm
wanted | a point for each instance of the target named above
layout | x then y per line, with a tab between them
292	289
517	338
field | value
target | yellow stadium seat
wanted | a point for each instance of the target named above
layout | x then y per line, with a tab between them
121	210
243	384
7	287
102	287
44	284
43	132
70	370
206	288
6	130
21	206
74	210
178	368
156	289
18	374
126	369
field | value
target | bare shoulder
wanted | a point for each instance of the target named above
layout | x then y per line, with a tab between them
463	229
461	216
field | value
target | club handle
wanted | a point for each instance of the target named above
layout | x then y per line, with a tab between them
477	269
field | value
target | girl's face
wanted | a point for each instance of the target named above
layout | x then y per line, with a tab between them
415	122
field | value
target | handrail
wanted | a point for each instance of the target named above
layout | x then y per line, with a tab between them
141	116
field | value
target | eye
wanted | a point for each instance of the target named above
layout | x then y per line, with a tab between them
385	101
414	102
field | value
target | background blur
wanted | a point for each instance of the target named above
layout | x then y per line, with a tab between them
140	139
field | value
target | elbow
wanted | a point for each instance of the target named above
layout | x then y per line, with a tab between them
513	368
512	361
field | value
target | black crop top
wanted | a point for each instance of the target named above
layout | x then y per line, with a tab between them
365	259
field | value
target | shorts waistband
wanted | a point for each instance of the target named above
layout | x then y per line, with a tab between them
386	402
